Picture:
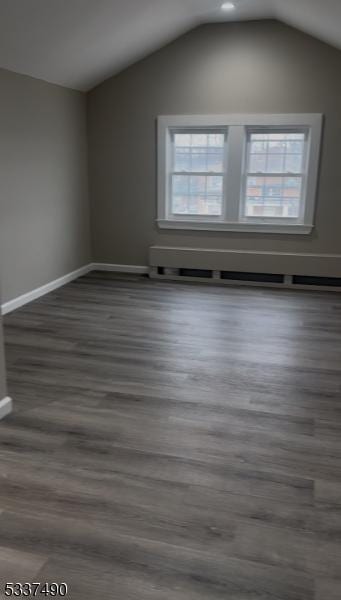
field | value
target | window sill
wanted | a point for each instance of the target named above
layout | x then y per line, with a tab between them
285	228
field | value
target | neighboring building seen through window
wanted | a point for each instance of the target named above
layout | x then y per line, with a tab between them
275	174
198	173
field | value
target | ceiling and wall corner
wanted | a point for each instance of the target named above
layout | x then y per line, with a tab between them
80	43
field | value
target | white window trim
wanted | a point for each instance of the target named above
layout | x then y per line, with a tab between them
238	126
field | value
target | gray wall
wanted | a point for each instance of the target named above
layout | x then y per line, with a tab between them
244	67
44	212
2	365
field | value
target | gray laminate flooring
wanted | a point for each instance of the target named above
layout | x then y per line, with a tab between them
174	442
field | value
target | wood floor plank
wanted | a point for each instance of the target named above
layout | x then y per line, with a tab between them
328	589
18	565
166	564
174	442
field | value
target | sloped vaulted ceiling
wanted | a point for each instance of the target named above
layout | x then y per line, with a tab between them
79	43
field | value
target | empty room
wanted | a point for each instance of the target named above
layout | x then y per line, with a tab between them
170	324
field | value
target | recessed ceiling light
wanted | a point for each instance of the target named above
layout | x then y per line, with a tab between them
228	6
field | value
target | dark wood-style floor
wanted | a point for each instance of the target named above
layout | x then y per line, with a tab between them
174	442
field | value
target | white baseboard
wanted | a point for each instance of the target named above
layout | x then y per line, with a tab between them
137	269
8	307
44	289
5	407
325	265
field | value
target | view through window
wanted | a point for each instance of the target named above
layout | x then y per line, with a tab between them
275	169
198	173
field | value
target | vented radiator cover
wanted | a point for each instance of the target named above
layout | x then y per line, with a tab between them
319	271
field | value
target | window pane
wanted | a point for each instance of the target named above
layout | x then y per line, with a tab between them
273	197
202	153
260	136
182	159
277	146
216	140
215	159
275	163
214	185
292	187
294	147
197	184
276	153
199	139
199	152
180	185
213	205
199	160
293	163
182	139
197	205
258	147
197	195
257	163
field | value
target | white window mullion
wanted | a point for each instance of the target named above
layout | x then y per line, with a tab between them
233	178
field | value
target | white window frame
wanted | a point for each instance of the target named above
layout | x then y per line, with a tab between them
238	128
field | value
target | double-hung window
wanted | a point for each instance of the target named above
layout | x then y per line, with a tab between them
275	174
197	173
238	172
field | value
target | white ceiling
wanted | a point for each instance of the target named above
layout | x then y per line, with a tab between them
79	43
